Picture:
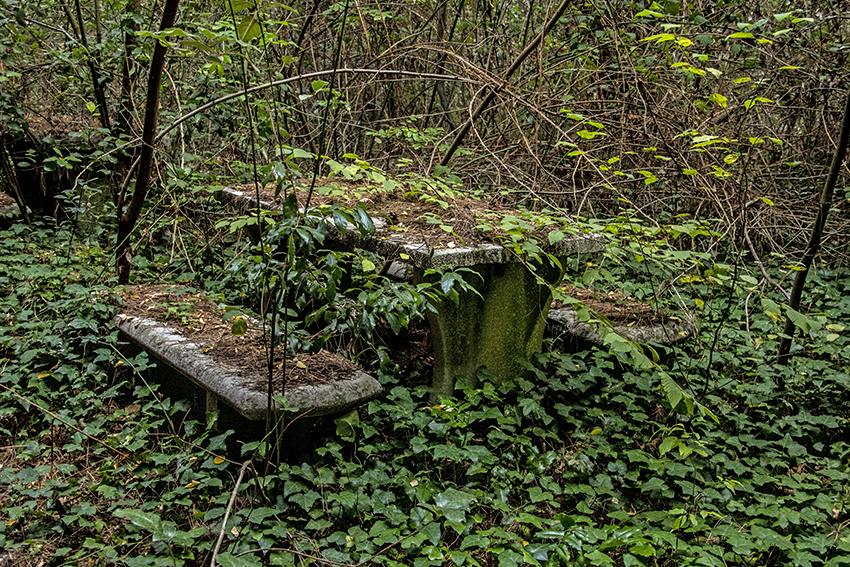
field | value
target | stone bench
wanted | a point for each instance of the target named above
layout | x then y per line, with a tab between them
242	405
564	323
503	320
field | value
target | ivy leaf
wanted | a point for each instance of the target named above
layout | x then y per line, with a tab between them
144	520
347	424
307	500
654	483
228	560
454	504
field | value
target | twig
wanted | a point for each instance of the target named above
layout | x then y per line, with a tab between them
764	273
227	511
488	98
54	416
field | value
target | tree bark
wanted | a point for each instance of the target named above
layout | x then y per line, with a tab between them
127	219
813	246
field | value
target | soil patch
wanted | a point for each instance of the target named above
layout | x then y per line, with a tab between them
199	319
617	307
6	200
419	214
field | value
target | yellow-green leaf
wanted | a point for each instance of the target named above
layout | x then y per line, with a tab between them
721	100
239	326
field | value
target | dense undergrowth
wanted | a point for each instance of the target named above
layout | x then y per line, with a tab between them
584	463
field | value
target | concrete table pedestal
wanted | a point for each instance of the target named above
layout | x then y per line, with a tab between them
494	330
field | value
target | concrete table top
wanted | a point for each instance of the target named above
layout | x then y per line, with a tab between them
492	327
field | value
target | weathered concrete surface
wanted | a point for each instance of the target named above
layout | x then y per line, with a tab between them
565	321
492	331
392	244
223	383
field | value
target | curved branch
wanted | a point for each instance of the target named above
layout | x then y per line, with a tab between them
493	92
257	88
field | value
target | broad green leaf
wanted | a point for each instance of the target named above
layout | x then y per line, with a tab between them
771	308
672	390
318	85
347	424
248	29
802	322
668	444
145	520
740	35
454	504
239	327
365	225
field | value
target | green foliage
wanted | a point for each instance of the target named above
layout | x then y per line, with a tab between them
585	463
614	457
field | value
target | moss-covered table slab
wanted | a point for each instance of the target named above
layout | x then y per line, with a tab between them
492	327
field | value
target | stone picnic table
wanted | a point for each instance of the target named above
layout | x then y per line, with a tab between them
493	327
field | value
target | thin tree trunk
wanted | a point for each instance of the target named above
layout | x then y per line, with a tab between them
493	92
97	83
129	70
127	220
12	181
813	246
